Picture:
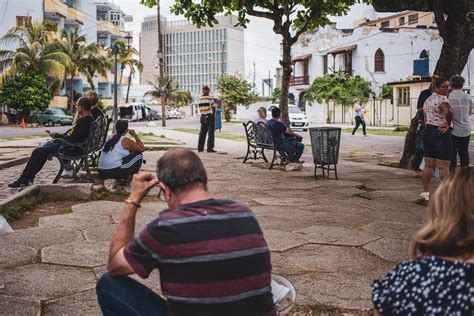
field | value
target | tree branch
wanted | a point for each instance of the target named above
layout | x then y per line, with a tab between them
260	14
439	18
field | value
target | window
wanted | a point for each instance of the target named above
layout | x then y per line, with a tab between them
23	21
404	96
413	18
325	64
385	24
401	21
379	61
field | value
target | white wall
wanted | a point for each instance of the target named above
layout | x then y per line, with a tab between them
9	10
235	51
250	113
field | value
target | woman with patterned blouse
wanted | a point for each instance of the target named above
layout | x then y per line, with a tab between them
441	280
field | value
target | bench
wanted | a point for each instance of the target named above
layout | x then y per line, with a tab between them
82	155
259	138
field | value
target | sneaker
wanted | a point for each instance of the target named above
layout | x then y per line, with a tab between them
425	195
417	174
211	151
67	173
19	184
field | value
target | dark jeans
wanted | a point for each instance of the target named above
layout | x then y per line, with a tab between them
293	147
37	160
130	165
418	158
359	122
461	148
122	295
207	126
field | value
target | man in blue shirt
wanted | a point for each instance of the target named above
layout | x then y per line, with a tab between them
415	163
285	139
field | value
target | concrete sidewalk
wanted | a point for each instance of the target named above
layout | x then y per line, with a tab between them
330	238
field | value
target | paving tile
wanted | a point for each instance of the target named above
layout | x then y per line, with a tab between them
38	238
333	235
73	221
98	208
12	255
17	306
394	250
392	230
281	241
101	233
45	281
81	303
81	253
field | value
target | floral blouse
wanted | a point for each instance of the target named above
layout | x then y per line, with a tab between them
433	112
426	286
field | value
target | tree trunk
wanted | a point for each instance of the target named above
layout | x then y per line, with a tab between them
71	103
128	87
285	82
409	148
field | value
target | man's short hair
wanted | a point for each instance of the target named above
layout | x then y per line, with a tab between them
457	82
93	96
276	112
85	103
181	169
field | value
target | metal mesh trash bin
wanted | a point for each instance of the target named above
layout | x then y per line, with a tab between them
325	146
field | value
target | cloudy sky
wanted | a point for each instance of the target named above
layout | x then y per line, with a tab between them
261	45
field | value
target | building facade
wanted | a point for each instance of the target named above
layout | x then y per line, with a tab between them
386	50
193	57
99	18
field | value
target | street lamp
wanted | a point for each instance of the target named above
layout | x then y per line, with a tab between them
115	50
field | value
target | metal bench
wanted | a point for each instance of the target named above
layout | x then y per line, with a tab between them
264	140
82	155
253	151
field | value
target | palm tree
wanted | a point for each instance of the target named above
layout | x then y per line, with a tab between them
133	65
180	98
169	86
34	50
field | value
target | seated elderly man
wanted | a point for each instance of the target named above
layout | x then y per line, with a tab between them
211	253
77	134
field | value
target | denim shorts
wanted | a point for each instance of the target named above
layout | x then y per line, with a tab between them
436	144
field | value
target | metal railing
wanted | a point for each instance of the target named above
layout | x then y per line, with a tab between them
300	80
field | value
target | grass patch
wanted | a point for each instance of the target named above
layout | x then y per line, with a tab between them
323	308
150	137
8	139
400	131
17	208
222	135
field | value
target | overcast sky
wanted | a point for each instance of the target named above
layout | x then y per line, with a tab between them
261	46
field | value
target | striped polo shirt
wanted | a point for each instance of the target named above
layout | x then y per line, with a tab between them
205	104
212	258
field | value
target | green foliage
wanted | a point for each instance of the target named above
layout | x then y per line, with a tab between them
338	87
26	92
234	90
387	92
17	208
276	95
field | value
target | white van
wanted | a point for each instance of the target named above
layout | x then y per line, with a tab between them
133	112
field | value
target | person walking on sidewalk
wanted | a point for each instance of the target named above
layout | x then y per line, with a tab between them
437	142
359	117
77	134
121	157
211	253
207	108
420	116
461	103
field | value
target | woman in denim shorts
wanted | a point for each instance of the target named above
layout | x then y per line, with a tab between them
437	143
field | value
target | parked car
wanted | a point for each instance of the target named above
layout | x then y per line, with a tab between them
51	117
154	114
297	117
133	112
173	113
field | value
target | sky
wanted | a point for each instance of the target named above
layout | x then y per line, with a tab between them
261	46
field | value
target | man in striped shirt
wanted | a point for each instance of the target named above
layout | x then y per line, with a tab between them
207	108
211	253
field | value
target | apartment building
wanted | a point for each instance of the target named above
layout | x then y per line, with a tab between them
95	19
193	56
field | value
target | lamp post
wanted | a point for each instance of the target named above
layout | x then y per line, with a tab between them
115	50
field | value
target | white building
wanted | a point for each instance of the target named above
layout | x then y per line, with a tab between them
381	51
95	18
193	57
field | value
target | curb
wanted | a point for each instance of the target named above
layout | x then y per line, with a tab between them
14	162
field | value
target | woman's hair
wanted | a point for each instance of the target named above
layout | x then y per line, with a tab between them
438	81
449	230
262	112
121	127
93	96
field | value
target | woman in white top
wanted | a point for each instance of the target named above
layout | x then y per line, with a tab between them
262	115
359	117
437	142
121	156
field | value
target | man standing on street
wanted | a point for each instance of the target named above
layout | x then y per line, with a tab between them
211	254
207	108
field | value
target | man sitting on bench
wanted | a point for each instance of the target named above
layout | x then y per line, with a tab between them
77	134
286	140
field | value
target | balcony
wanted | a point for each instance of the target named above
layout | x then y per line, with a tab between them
108	27
54	9
75	16
299	81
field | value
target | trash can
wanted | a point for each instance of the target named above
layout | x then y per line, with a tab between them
325	146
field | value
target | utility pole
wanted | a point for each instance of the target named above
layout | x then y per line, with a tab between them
160	60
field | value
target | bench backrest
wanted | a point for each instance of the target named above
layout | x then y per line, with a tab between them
250	131
94	138
263	135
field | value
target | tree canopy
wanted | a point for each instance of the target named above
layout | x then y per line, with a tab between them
234	90
290	19
338	87
26	92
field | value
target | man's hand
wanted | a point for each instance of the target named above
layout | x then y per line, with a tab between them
444	128
141	185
